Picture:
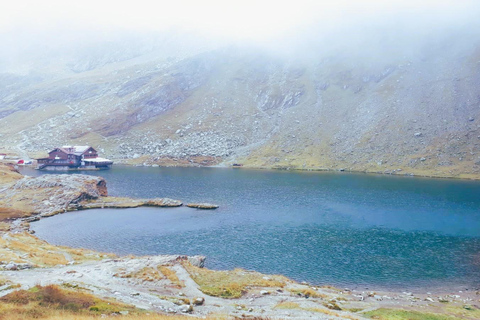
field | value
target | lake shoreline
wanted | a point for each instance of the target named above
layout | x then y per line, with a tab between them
404	172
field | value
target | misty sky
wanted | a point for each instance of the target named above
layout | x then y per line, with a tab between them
245	19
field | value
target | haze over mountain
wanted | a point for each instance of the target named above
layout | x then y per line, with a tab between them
354	90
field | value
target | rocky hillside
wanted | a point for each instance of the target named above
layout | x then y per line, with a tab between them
396	103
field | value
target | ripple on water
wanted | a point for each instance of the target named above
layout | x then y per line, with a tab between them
323	228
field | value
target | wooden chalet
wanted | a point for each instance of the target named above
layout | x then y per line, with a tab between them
73	158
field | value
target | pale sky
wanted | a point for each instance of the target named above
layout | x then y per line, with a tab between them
244	19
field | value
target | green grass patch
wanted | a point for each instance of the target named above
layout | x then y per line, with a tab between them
465	312
398	314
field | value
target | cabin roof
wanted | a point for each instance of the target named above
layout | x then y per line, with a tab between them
76	150
80	149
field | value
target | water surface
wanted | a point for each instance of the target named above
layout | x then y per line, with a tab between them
325	228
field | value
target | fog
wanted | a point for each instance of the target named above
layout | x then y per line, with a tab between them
34	33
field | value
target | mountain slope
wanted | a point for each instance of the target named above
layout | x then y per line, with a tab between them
389	106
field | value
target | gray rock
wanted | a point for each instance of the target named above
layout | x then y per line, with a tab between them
66	190
197	261
23	266
163	202
11	266
186	308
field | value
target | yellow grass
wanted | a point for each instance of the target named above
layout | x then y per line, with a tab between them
308	293
177	300
63	315
40	257
4	281
232	283
287	305
4	226
331	313
39	302
54	303
24	247
145	274
153	274
172	276
8	174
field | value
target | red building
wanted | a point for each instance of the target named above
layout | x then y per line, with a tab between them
73	158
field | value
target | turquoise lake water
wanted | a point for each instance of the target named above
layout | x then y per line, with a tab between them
351	230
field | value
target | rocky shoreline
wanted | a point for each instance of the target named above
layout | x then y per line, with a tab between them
336	167
174	284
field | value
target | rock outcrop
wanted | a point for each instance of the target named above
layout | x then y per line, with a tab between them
116	202
205	206
50	194
163	202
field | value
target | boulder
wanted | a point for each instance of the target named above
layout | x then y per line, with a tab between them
11	266
198	301
197	261
186	308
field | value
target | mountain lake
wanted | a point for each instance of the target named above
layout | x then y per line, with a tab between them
341	229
